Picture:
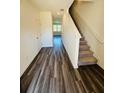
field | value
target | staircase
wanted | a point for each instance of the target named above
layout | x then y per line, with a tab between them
85	54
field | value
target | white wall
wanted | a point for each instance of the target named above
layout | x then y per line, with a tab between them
89	17
46	29
29	34
70	38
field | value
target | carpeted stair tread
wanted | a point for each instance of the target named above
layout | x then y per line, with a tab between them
84	47
88	59
82	38
83	42
86	52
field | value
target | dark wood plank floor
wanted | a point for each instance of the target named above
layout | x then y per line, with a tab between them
52	72
92	78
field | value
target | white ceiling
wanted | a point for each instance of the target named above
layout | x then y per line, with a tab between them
54	6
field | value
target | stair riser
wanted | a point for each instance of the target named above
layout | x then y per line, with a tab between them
83	43
82	38
85	55
85	63
84	48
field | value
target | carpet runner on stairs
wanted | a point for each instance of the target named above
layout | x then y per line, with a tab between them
85	54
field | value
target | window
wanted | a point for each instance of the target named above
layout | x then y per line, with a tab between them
57	28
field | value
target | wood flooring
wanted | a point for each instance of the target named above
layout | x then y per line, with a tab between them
92	78
52	72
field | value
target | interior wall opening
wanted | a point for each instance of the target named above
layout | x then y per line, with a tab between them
57	24
57	29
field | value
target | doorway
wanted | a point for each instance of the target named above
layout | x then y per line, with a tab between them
57	29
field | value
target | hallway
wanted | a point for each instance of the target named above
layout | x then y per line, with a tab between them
52	72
